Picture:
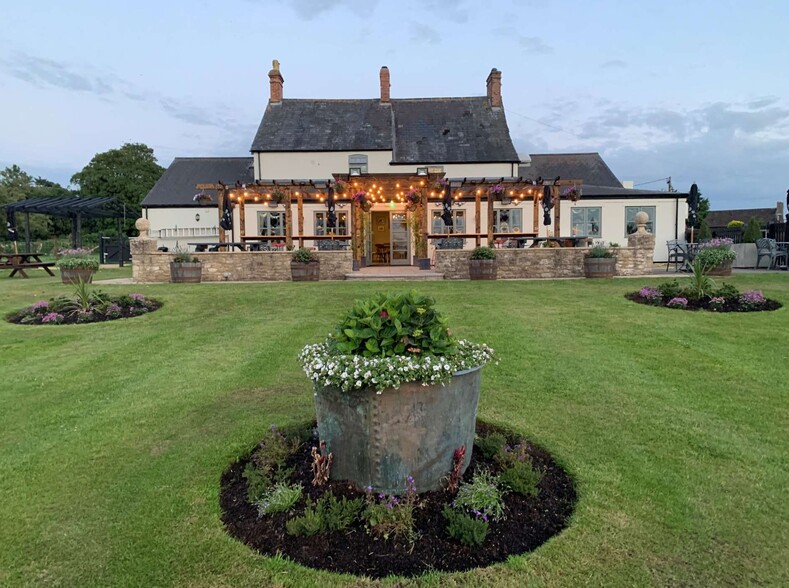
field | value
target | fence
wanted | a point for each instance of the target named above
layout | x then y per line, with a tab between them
778	232
185	232
111	251
733	234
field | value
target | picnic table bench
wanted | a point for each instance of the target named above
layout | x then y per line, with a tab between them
19	262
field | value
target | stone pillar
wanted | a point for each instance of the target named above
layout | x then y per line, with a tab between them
641	238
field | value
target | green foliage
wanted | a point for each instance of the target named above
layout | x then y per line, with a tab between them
753	231
392	517
482	495
599	252
420	239
714	256
78	259
704	230
728	292
700	284
491	445
184	256
303	255
329	514
469	530
521	478
273	451
393	324
279	498
670	289
16	185
258	482
128	173
735	224
483	252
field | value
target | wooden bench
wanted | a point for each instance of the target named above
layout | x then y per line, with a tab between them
19	262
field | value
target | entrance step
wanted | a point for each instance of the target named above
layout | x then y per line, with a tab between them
393	273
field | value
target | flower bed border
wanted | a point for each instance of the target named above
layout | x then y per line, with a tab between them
704	305
151	305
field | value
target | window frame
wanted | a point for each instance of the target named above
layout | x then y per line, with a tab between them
510	225
358	160
445	230
652	212
268	214
325	214
586	222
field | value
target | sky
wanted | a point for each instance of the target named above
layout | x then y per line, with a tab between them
694	90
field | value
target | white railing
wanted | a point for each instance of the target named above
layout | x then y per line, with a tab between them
175	232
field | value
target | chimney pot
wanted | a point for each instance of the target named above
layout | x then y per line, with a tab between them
275	83
494	88
385	85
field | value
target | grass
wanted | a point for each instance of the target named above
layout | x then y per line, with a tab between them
673	423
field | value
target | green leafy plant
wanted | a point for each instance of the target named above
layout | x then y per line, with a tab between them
481	495
728	292
735	224
328	514
279	498
670	289
258	482
420	239
715	253
491	445
77	259
518	472
599	252
184	256
700	284
704	230
304	255
467	529
273	451
394	324
483	253
753	231
389	516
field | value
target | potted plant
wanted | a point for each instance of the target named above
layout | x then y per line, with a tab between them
412	198
600	262
277	198
305	267
716	256
572	193
202	198
482	264
77	265
395	393
185	268
360	198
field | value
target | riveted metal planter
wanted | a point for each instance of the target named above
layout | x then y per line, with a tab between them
600	267
379	440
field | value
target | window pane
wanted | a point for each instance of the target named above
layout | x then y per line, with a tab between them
320	223
630	218
460	221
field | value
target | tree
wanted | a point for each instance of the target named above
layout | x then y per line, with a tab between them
753	231
127	173
16	185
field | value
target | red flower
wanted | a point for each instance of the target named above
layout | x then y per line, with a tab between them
383	314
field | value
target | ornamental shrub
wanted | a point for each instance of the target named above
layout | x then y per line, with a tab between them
483	252
715	252
599	252
670	289
389	516
491	445
303	255
735	224
651	295
469	530
753	231
677	302
77	259
279	498
328	514
521	478
728	292
752	300
482	495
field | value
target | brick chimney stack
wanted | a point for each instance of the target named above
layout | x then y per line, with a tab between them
494	88
275	83
385	85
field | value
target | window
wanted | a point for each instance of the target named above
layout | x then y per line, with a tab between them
586	222
271	223
507	220
321	218
630	218
359	162
458	222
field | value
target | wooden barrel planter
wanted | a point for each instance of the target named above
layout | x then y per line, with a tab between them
482	269
305	272
74	275
379	440
724	269
600	267
186	273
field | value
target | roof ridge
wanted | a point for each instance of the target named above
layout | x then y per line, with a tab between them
570	153
217	157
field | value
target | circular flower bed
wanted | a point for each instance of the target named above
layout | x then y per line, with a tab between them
702	294
279	500
85	307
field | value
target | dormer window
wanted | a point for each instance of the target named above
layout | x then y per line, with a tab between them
357	164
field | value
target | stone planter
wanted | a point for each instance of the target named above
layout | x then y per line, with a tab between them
74	275
482	269
379	440
723	269
599	267
305	272
424	263
185	273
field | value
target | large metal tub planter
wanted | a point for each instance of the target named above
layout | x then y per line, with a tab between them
600	262
482	264
304	267
716	257
77	265
387	418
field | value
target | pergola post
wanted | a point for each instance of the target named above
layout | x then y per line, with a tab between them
288	221
477	219
300	217
490	218
221	195
27	232
242	217
536	213
356	242
557	205
78	233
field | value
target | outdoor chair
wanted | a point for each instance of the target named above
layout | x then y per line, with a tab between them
769	248
332	245
676	254
450	243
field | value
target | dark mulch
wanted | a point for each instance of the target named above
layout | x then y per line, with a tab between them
151	305
728	306
529	523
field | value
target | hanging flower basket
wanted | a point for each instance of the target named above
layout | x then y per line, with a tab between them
360	198
277	198
202	198
572	193
340	187
412	199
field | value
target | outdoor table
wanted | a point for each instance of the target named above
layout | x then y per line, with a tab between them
689	251
19	262
216	246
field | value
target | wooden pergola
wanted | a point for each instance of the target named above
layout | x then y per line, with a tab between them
392	189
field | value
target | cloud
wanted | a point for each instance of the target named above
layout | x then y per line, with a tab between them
533	45
43	72
424	33
311	9
613	64
451	10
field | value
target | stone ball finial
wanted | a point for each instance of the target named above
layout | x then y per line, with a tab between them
642	218
143	224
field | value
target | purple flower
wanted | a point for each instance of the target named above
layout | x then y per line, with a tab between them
752	299
52	317
40	305
677	302
137	296
369	489
717	243
650	294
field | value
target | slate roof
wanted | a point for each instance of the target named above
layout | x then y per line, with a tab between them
721	218
620	192
430	130
176	187
588	167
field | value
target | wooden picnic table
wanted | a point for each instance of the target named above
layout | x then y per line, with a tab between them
216	246
19	262
562	241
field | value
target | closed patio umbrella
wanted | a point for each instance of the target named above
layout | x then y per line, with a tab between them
226	222
10	225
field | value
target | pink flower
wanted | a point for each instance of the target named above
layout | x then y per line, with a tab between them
383	314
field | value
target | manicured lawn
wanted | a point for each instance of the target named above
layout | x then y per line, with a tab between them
673	424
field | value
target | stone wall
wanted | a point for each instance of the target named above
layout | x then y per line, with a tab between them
558	262
150	265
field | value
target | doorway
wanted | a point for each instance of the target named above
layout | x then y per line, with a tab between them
389	238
